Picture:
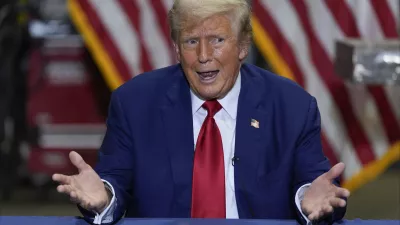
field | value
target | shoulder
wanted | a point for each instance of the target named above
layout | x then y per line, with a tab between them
148	83
281	89
142	94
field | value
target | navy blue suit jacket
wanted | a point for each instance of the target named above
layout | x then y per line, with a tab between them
147	152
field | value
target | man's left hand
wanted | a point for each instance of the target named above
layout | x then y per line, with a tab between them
323	196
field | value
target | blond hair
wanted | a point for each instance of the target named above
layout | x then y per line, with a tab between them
186	13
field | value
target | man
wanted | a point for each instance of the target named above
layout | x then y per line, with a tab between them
211	137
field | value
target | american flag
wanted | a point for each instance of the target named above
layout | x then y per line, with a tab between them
360	124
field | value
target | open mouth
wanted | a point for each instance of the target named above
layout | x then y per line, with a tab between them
208	76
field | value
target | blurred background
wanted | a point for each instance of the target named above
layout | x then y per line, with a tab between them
61	59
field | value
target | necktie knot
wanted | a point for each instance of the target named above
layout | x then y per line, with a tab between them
212	107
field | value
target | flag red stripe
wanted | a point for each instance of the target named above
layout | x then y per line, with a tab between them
337	88
132	11
162	21
385	18
105	39
279	40
344	17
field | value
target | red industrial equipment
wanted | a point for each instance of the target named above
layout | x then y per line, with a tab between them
62	107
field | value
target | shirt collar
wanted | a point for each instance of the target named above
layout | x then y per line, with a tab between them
229	103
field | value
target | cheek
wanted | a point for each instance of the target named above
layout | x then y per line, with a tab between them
230	63
228	60
218	53
228	54
188	58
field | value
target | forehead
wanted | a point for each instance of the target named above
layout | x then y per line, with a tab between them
215	24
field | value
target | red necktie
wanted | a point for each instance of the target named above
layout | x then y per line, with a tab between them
208	188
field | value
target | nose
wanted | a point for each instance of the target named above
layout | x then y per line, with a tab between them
204	51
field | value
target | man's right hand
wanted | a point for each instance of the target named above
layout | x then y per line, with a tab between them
84	188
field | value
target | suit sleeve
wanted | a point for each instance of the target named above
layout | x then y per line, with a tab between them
115	162
310	161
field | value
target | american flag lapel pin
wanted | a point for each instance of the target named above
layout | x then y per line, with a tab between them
254	123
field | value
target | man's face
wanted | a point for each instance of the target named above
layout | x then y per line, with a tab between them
210	54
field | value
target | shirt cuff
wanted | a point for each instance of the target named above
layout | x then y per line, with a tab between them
107	215
299	198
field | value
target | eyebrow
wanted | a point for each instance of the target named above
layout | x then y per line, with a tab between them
194	36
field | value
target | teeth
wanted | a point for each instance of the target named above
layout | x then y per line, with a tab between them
207	73
211	73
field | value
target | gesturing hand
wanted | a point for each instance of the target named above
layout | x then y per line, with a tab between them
84	188
323	196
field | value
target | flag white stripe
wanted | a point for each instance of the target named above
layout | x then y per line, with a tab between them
332	124
365	19
116	22
154	40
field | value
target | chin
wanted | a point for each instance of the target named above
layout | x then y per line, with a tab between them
209	95
208	91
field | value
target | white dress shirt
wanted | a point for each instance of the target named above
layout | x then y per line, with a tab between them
226	122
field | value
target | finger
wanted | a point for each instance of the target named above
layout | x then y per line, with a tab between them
327	209
73	197
66	189
313	216
335	171
342	193
337	202
61	178
73	194
77	161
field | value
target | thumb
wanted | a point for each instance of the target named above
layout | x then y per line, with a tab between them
335	171
77	161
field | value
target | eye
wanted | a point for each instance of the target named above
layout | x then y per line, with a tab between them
191	42
217	40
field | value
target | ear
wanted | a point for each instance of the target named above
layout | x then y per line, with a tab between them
243	51
244	46
177	51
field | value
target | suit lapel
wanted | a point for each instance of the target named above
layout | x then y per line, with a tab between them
252	122
178	128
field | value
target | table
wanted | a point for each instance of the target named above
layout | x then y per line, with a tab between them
28	220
